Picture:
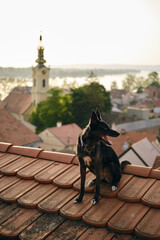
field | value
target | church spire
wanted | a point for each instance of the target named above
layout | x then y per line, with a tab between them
40	60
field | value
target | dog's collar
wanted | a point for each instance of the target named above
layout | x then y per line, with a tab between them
82	145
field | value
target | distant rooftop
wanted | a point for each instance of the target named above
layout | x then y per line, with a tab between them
68	133
12	130
18	101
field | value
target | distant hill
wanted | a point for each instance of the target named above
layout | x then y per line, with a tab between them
79	70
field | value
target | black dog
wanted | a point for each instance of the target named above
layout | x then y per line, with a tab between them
95	153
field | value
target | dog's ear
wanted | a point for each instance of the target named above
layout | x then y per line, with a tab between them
93	119
98	114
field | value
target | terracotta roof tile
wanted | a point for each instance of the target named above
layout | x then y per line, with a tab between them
6	182
18	222
12	193
31	170
56	156
152	197
68	230
148	228
4	146
155	173
15	166
48	174
44	226
8	158
7	211
89	177
1	154
100	213
134	190
25	151
57	200
36	195
67	178
76	211
106	191
157	162
132	209
97	233
12	130
138	170
126	219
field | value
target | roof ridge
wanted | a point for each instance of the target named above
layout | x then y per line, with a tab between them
67	158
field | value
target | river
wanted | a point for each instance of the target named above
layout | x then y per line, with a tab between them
105	80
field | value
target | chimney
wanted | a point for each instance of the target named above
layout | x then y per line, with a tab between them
59	124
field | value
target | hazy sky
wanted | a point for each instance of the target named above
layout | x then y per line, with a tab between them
80	31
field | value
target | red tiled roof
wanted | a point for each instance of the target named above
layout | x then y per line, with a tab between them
133	137
68	133
157	163
117	93
37	190
17	101
12	130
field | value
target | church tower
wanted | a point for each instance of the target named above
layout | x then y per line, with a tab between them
40	76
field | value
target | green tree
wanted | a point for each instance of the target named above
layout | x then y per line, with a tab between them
139	84
53	109
86	98
128	82
74	106
92	77
114	85
153	79
133	83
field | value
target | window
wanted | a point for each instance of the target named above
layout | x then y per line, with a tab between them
44	83
34	82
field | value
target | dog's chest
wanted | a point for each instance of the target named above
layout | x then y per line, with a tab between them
87	160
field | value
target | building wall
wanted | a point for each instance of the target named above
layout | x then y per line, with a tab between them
153	92
50	141
138	114
137	125
27	113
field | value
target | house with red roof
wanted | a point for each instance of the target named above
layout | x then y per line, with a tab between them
19	103
12	130
61	138
124	141
142	153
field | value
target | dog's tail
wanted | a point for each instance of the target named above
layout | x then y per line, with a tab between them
124	163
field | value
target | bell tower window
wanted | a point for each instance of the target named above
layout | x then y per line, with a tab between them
34	83
43	82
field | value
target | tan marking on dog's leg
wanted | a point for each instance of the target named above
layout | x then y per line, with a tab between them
87	160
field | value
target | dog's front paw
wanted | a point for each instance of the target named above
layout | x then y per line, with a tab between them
91	182
94	201
77	200
114	188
